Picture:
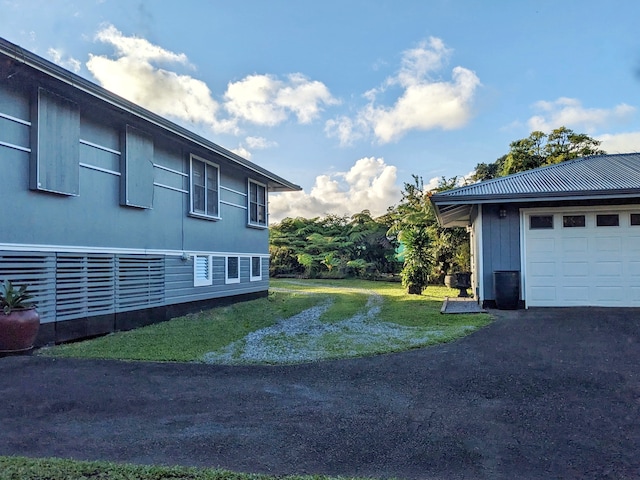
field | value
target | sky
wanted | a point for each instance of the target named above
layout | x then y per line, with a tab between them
351	98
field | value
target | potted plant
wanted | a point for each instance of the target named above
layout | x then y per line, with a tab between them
19	320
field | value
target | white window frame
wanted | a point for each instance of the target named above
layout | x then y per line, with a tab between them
199	280
227	278
256	223
203	214
258	277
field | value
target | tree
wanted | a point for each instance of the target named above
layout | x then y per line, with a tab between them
334	246
537	150
430	251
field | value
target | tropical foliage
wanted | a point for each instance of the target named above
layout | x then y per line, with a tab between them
537	150
430	251
333	247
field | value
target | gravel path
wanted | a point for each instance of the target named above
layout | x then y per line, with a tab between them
305	338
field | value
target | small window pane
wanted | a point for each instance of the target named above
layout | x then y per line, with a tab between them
570	221
233	270
609	220
540	221
256	268
635	219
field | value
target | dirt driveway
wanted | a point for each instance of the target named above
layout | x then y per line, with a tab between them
544	393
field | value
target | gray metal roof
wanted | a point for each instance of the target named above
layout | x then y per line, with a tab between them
585	178
22	56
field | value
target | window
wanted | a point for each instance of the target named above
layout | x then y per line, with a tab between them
635	219
537	222
205	178
202	271
233	270
256	269
608	220
570	221
257	204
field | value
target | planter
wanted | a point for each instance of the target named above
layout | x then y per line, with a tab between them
451	280
18	330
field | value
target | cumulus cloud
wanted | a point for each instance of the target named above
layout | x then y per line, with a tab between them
267	100
57	56
620	142
369	184
141	73
570	113
424	102
136	76
260	143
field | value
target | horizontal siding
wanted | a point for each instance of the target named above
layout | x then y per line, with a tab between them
179	281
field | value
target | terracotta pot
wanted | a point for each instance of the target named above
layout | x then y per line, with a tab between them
18	330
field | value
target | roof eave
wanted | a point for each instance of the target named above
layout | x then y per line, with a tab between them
535	197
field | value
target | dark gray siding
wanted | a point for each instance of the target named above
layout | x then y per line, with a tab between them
501	243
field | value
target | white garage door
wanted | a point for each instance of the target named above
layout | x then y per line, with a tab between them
581	257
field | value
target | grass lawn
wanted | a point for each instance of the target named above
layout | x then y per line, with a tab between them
300	321
21	468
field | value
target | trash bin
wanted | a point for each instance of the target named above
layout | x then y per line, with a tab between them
506	289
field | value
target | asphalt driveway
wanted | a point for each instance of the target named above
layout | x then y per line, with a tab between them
544	393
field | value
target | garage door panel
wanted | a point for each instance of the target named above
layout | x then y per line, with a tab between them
608	294
575	293
543	244
632	244
608	244
608	269
575	245
634	269
543	294
575	269
542	269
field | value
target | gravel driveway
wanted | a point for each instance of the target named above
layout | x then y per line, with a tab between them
544	393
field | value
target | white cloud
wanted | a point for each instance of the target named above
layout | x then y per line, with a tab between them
267	100
570	113
57	56
135	76
243	152
260	143
139	73
424	103
620	142
370	184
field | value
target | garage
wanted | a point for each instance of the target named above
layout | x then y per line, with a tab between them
577	257
569	231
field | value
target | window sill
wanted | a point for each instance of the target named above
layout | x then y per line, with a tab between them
202	216
257	226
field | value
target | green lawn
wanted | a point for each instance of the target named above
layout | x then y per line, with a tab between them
340	319
21	468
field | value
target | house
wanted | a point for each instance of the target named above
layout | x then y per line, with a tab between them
115	216
570	232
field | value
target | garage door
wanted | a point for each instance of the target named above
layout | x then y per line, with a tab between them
577	258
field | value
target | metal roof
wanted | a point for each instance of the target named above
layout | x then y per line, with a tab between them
22	56
585	178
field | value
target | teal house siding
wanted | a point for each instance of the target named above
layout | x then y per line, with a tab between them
98	193
502	243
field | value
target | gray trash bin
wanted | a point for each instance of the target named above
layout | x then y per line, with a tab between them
506	289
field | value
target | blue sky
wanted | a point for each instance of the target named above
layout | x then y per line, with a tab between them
349	98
